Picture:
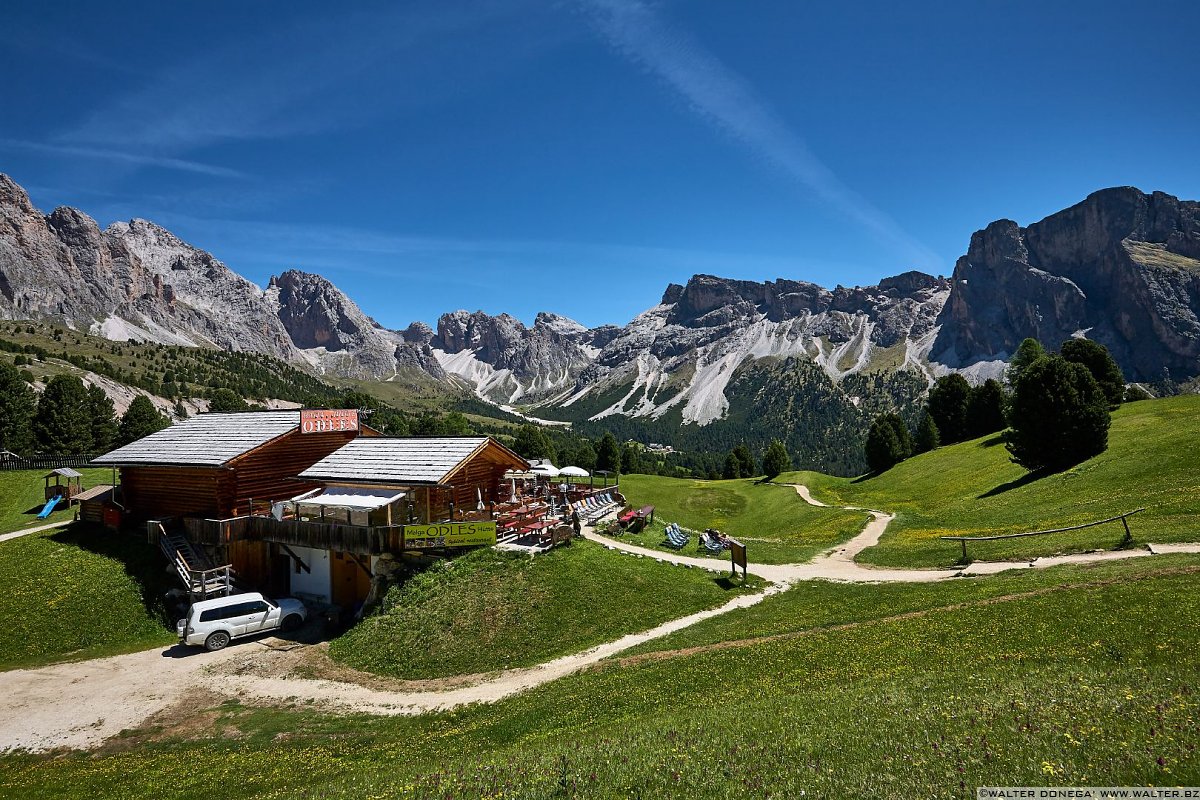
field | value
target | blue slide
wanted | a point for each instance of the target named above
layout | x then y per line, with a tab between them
50	504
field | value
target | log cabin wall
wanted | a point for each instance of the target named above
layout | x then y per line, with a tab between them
174	491
268	472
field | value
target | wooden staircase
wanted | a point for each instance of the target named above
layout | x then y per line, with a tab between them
197	573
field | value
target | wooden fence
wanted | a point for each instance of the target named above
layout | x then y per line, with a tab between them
8	463
1124	518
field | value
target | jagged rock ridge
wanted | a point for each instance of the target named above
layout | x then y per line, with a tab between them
1122	268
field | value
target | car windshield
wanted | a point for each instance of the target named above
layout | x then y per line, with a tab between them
271	602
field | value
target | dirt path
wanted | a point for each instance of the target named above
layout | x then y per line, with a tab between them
80	704
36	529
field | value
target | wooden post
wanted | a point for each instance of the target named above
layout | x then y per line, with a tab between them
964	546
1128	536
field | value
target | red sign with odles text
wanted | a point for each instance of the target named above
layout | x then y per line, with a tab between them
328	420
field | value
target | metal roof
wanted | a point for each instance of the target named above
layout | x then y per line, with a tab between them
205	440
407	461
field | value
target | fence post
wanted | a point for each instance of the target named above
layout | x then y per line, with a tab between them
1128	535
963	542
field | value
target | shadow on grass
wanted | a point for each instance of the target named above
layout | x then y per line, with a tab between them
992	442
140	560
1024	480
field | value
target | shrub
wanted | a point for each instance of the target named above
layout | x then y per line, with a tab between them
776	460
883	447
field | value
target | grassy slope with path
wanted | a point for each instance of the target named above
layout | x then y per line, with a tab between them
72	594
1088	686
489	610
776	525
1153	460
22	495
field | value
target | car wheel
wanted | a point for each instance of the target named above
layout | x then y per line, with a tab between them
216	641
292	622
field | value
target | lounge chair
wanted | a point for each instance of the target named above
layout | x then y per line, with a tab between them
712	543
676	538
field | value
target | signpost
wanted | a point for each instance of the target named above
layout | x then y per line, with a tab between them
737	557
328	420
449	534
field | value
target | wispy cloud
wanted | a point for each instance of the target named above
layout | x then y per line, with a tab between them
121	157
268	84
716	93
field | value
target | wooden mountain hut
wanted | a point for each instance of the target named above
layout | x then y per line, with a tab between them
212	465
444	477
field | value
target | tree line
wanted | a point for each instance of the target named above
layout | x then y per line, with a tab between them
68	418
1053	413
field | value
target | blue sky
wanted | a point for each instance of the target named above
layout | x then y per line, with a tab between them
526	155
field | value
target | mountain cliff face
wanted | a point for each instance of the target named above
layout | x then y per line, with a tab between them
131	280
1122	268
136	280
507	362
684	352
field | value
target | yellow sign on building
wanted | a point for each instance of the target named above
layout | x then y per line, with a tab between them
449	534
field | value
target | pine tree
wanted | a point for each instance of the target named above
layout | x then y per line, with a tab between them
225	400
904	440
927	437
776	461
139	420
1028	351
1101	364
882	448
733	467
63	424
104	420
631	459
1059	416
985	409
609	457
531	442
948	405
746	468
18	404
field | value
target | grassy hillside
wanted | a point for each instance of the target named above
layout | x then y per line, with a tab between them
776	525
22	495
1090	686
814	605
489	610
1153	460
78	594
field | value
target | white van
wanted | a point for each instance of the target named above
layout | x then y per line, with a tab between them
214	623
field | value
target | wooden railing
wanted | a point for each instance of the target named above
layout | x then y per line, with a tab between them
358	539
1124	518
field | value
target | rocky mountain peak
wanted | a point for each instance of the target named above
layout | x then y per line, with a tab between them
1121	267
14	196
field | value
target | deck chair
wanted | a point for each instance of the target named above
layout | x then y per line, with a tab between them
676	538
711	543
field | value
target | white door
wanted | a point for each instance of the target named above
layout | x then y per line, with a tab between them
258	617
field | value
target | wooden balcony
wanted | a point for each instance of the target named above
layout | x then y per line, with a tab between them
358	539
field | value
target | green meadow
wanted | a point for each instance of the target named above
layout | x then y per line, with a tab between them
492	610
972	489
1082	686
1076	675
774	523
22	495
